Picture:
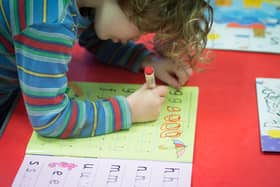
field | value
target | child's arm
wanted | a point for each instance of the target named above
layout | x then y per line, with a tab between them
42	62
43	53
134	57
128	55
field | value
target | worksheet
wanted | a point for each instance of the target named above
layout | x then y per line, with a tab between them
56	171
246	25
268	94
158	153
170	138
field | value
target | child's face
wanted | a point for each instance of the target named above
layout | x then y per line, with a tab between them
112	23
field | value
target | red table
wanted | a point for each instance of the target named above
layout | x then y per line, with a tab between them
227	144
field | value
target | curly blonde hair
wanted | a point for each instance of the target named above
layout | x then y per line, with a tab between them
180	26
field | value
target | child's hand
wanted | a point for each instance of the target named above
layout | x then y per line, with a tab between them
174	74
145	104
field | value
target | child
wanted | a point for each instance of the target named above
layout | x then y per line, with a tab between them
37	38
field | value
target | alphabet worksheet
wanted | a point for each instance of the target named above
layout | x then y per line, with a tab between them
56	171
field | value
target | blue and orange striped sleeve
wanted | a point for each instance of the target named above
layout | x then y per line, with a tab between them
43	50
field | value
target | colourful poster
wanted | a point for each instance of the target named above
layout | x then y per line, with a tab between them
170	138
246	25
268	94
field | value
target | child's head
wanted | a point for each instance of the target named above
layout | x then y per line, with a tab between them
181	26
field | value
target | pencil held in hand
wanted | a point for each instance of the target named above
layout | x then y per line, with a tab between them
150	77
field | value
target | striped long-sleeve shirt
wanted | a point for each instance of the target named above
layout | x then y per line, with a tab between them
36	42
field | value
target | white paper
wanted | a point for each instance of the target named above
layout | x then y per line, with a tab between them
37	170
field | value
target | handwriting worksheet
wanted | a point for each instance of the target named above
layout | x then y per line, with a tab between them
81	172
170	138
